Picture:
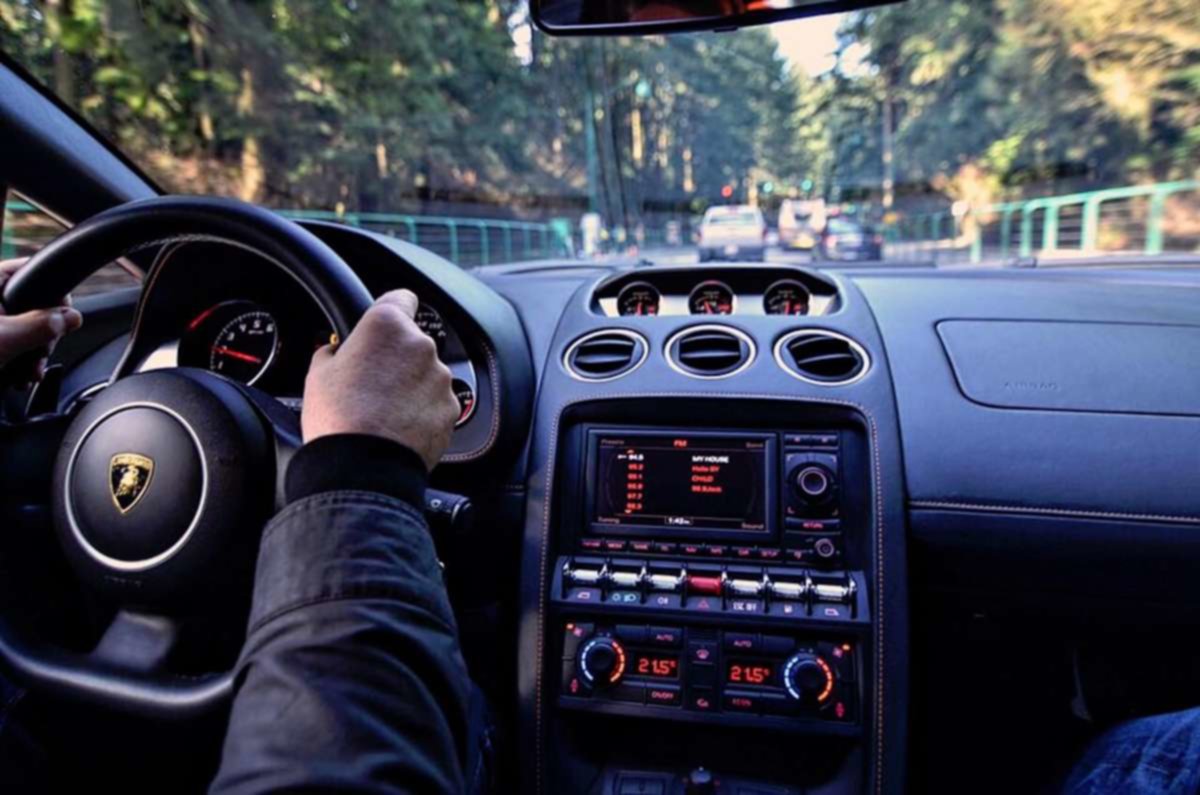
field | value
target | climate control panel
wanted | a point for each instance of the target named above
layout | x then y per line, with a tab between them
708	673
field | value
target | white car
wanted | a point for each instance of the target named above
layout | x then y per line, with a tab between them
733	232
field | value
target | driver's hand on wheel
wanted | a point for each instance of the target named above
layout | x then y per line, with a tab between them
33	331
384	380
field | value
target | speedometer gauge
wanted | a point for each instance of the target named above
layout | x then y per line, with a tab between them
786	297
245	347
638	298
711	298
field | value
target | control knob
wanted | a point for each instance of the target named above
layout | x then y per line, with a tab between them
602	662
813	483
700	782
808	678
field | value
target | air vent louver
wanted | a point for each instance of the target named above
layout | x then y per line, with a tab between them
605	355
822	357
710	351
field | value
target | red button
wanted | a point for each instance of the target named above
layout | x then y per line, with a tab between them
613	545
691	549
743	552
590	543
640	546
716	551
768	553
706	585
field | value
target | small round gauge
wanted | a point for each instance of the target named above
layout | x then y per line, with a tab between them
638	298
466	400
245	347
429	321
786	297
711	298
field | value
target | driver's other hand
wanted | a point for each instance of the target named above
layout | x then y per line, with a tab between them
384	380
34	331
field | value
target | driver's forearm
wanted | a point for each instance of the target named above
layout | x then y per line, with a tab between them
351	676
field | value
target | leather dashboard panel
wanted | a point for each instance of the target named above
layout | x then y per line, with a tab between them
1134	368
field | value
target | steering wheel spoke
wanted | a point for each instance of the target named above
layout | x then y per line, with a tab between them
137	642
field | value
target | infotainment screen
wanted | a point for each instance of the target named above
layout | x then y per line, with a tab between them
681	481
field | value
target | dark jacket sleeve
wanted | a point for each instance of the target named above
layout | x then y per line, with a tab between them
351	675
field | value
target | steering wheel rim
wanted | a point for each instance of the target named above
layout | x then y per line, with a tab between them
123	230
127	670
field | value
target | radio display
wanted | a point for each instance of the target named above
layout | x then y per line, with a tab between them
682	481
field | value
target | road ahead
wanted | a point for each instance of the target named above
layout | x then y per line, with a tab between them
687	255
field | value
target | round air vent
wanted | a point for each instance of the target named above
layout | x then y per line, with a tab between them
822	357
605	355
710	351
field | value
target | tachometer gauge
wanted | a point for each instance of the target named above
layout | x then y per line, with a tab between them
638	298
711	298
429	321
786	297
245	347
466	400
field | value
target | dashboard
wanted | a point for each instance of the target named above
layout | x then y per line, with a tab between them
709	489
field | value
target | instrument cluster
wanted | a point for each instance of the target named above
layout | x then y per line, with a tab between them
250	342
754	291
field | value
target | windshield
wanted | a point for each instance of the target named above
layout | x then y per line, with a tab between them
962	130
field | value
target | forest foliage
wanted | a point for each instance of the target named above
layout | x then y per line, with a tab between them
421	105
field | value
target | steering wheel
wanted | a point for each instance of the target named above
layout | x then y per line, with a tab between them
163	481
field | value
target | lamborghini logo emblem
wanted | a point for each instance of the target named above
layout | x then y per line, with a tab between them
128	478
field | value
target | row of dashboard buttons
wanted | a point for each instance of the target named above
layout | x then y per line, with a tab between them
739	590
829	526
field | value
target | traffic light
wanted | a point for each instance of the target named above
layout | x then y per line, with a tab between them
726	191
806	185
768	187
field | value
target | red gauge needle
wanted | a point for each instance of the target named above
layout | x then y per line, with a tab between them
231	353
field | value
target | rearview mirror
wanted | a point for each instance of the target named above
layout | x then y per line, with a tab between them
629	17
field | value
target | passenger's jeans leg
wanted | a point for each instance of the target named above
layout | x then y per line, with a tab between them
1159	755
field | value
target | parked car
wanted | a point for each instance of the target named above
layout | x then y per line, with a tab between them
733	232
844	239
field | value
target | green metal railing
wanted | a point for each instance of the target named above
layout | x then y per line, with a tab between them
1040	224
465	241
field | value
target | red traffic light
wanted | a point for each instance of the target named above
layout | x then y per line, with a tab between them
726	191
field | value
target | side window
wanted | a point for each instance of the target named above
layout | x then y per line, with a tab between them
26	229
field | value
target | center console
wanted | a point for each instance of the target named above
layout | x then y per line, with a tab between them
714	563
713	576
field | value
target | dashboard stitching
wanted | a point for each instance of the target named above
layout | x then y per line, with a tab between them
155	269
545	544
493	432
1051	511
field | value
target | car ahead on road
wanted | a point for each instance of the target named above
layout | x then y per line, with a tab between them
844	239
734	232
800	224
